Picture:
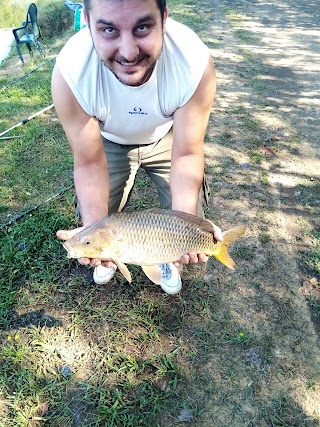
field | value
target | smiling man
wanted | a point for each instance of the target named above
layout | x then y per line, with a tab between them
135	89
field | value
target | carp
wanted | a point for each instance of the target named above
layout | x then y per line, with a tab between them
148	238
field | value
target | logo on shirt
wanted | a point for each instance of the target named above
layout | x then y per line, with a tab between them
137	110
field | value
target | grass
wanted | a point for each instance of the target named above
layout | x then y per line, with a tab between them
49	356
40	154
247	36
313	255
233	348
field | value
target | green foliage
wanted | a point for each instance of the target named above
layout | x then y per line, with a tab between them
13	13
53	15
54	18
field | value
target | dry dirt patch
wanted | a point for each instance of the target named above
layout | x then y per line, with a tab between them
262	162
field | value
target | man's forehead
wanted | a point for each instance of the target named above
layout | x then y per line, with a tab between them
112	10
120	2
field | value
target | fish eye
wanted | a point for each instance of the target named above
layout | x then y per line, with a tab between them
87	242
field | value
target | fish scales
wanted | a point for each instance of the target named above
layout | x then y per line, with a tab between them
157	237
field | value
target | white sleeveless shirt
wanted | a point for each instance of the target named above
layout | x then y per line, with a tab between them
141	114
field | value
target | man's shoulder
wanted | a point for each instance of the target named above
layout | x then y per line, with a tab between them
181	36
78	57
78	64
181	66
182	46
80	44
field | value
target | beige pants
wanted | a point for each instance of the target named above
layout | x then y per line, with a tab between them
124	162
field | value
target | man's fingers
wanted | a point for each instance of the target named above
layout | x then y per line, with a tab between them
67	234
185	259
84	261
109	264
203	258
94	262
218	234
193	258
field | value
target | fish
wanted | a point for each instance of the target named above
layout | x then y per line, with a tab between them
150	237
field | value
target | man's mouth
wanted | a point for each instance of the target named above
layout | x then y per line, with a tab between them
128	64
137	61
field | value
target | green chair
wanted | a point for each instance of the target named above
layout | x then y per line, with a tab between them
29	32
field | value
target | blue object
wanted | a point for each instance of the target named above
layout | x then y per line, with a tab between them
78	21
73	6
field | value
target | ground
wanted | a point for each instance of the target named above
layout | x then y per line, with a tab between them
236	348
263	159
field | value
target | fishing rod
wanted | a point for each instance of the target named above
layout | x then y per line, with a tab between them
24	121
35	207
11	137
28	74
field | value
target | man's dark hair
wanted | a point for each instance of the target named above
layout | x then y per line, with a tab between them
160	3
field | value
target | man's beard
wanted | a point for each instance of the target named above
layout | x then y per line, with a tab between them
147	73
143	79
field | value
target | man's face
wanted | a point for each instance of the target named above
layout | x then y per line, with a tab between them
128	37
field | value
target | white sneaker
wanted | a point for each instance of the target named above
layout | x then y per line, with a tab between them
171	280
103	275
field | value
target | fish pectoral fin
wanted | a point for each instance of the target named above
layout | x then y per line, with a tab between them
153	272
124	269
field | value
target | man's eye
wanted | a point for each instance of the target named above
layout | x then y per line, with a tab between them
109	30
142	28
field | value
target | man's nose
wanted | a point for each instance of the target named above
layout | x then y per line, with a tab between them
128	48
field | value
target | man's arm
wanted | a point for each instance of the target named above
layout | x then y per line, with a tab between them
189	127
91	176
187	168
90	167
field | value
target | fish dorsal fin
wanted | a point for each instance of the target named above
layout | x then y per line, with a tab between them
202	223
153	273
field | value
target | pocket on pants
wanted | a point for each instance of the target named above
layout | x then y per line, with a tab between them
205	190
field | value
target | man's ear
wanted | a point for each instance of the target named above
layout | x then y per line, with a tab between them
86	18
165	16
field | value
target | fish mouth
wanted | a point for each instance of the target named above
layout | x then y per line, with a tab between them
69	255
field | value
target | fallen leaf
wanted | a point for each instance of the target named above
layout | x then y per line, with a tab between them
268	151
314	282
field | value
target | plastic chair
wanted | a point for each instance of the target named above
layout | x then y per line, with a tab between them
29	32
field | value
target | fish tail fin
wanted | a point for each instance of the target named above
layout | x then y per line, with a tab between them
221	250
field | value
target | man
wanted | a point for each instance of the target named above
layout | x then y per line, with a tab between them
134	89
